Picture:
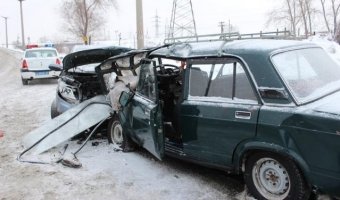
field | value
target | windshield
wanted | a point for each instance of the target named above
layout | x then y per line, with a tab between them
40	54
308	73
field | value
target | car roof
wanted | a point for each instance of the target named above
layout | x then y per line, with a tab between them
255	53
236	47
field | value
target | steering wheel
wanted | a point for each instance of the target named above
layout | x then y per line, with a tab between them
167	70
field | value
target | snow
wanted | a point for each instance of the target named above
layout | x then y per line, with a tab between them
106	173
325	41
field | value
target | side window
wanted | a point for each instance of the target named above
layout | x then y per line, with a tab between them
243	88
146	85
222	80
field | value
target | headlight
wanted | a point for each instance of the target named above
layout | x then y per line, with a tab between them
69	92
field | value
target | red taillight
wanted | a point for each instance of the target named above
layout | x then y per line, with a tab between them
31	46
57	61
24	64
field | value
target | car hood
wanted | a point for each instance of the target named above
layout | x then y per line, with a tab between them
91	56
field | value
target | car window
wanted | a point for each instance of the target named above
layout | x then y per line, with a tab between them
40	54
146	86
226	81
309	73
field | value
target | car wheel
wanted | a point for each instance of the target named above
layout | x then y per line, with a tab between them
270	176
24	81
116	134
115	131
54	112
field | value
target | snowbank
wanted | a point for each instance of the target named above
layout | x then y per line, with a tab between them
326	43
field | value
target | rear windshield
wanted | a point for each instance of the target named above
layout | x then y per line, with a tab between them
308	73
41	53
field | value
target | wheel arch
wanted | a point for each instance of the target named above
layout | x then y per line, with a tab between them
247	148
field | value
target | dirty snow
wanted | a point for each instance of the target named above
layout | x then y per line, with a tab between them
106	173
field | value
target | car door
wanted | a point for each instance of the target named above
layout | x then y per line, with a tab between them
220	111
144	114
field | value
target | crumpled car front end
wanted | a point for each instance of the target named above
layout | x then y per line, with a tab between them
78	80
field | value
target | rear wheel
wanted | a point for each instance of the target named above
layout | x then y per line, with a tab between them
271	176
24	81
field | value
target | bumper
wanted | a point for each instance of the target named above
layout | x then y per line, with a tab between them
62	105
30	75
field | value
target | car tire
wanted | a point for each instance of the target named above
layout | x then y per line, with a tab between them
271	176
54	112
24	81
116	135
115	131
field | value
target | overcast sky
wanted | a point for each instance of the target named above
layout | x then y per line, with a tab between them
42	17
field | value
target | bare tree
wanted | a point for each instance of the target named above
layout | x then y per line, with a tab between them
287	13
335	9
83	17
332	11
296	13
306	13
303	12
323	4
310	13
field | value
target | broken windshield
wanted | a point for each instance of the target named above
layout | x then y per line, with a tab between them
309	73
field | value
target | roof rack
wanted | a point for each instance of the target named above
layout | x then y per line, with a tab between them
231	36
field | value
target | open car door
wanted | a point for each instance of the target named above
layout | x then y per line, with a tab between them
142	117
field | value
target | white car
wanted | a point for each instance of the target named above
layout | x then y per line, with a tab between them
35	64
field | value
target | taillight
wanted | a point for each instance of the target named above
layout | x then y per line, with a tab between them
24	64
57	61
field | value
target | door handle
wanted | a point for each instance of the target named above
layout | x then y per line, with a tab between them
242	115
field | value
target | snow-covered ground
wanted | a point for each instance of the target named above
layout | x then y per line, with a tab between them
106	173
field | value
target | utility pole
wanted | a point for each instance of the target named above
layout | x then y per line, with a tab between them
139	21
222	27
157	25
22	25
229	26
6	30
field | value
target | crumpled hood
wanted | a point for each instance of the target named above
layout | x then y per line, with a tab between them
85	57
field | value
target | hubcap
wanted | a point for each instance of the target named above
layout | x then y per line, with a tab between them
271	179
117	133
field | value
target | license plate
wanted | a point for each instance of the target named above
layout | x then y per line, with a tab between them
41	73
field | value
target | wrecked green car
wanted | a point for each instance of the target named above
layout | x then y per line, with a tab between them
266	108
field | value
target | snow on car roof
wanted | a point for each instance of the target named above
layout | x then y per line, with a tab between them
215	48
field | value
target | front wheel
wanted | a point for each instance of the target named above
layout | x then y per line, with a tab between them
54	112
116	135
271	176
115	131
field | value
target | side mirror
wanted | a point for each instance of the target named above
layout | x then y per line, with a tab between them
273	93
125	98
55	67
